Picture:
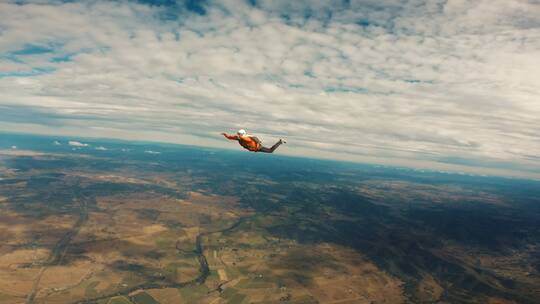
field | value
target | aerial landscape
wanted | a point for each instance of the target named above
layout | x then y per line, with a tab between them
269	152
151	223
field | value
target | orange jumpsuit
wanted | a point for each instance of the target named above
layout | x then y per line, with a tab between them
247	142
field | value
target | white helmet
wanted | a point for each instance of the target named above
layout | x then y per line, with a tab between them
241	132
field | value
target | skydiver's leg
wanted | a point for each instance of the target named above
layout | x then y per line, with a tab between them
265	150
271	149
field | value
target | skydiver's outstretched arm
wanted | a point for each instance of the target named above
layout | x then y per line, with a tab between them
231	137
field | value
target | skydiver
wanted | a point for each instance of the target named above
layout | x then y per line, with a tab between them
251	142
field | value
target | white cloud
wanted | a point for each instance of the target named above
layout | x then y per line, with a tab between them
151	152
396	80
77	144
57	143
101	148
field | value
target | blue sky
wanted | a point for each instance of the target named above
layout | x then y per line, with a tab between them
450	85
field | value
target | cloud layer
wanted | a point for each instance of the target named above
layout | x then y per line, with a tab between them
391	81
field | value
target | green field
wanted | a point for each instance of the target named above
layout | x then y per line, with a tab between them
119	300
194	293
90	290
143	298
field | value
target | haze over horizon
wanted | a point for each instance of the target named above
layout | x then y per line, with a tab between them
449	85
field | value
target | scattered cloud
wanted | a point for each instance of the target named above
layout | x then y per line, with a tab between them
77	144
397	82
57	143
151	152
101	148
